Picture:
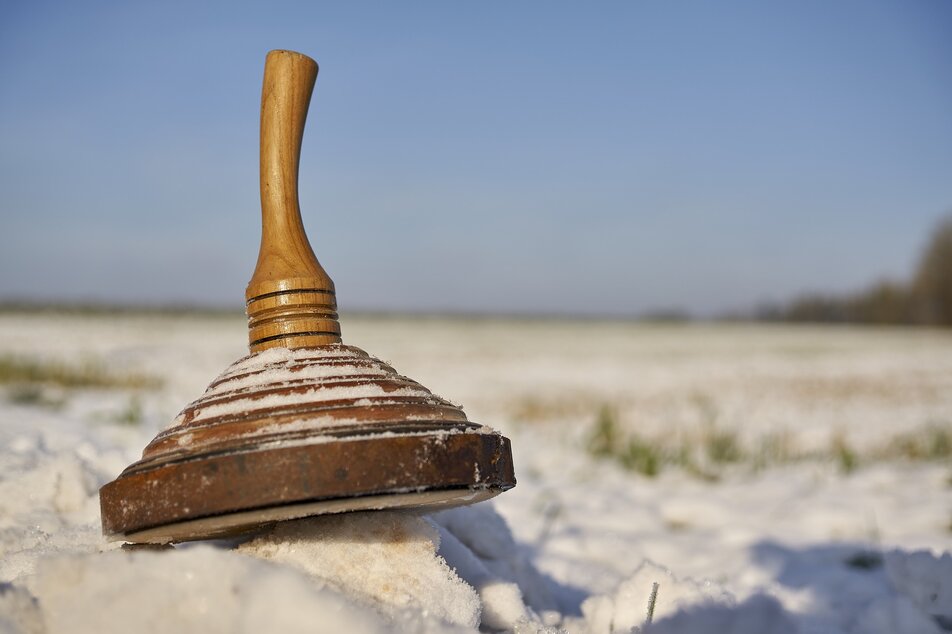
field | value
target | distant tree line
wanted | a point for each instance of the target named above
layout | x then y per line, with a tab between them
925	299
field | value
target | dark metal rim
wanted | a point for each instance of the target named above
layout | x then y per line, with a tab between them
295	473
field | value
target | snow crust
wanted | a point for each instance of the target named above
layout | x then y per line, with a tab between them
357	554
576	547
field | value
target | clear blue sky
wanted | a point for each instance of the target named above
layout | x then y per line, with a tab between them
522	157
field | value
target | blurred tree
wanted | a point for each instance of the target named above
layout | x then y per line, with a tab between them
932	286
885	303
926	299
817	308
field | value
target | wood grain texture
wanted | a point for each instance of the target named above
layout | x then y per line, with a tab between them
291	299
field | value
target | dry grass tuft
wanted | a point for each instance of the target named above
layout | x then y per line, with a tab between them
709	452
89	374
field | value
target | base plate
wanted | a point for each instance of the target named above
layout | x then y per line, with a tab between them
242	522
215	494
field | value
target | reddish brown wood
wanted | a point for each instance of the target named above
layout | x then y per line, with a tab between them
230	482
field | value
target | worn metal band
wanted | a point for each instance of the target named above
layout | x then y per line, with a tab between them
282	474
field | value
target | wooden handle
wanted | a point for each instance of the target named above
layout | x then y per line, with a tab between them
291	299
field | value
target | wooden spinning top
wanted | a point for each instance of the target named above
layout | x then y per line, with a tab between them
304	425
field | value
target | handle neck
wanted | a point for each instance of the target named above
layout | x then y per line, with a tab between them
291	300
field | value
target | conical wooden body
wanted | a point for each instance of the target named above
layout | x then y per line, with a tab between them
287	433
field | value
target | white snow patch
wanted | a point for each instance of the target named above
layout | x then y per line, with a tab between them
627	606
387	558
926	580
200	589
795	547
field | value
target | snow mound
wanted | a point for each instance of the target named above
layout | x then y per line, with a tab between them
462	567
759	614
926	580
477	542
48	500
19	611
388	559
200	589
627	607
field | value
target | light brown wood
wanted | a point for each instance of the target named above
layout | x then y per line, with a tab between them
291	300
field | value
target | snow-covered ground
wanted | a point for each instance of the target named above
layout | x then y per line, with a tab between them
804	484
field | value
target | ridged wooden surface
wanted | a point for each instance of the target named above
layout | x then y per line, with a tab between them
334	391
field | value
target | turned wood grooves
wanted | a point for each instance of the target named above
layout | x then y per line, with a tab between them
291	301
289	408
329	426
